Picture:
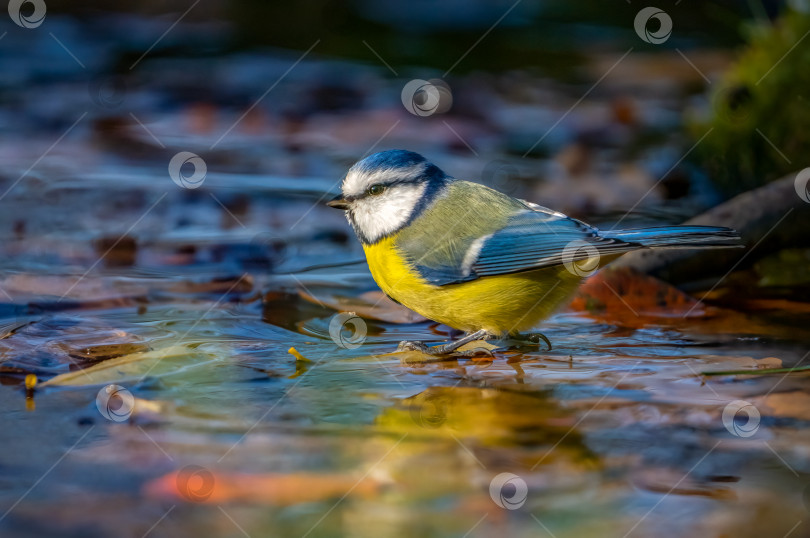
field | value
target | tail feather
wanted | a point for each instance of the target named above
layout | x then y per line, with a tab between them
677	237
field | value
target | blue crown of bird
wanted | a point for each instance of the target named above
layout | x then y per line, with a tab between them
475	259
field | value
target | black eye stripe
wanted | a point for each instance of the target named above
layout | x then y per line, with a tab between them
388	185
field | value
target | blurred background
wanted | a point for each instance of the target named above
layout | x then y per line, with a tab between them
165	245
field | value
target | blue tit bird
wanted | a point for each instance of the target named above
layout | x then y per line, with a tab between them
475	259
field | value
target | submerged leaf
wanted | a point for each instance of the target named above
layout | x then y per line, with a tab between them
158	362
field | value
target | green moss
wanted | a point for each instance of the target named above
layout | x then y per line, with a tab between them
760	115
786	268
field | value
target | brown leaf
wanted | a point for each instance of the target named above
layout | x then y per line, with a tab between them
794	404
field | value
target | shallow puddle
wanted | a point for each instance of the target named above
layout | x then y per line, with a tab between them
217	361
172	403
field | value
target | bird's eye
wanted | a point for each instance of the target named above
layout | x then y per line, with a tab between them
375	190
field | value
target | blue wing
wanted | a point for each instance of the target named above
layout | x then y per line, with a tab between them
531	239
492	234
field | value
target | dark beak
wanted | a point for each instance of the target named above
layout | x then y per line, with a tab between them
338	203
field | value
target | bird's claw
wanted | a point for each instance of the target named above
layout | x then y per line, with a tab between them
537	337
409	345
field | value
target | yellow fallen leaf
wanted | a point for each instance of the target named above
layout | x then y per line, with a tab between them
142	407
30	381
418	357
298	357
478	344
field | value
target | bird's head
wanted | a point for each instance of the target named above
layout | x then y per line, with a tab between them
385	191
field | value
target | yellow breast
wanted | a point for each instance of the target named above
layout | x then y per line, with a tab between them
503	304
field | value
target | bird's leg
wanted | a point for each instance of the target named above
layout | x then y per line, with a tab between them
533	338
443	349
452	346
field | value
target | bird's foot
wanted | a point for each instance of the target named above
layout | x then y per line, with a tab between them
532	338
443	349
410	345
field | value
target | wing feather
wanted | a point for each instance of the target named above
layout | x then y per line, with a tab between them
472	231
532	238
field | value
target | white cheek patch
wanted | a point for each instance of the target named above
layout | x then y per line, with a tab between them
378	216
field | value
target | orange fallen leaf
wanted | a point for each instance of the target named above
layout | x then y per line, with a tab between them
633	299
198	484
